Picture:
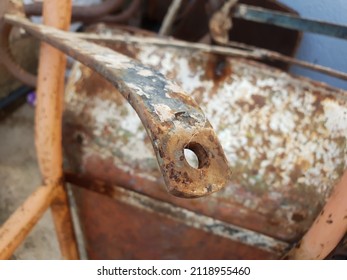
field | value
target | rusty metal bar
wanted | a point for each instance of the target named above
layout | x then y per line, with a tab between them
235	49
124	15
19	224
257	14
169	18
48	125
185	216
267	55
173	120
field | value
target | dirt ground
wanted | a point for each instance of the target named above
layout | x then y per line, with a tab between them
19	176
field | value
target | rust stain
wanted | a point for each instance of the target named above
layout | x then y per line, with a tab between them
217	69
103	242
178	217
298	217
259	100
89	83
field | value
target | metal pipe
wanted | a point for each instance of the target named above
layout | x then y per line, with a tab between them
48	125
261	15
100	12
80	13
7	59
124	15
169	18
13	96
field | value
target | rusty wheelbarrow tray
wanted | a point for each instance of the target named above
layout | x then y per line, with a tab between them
283	136
259	203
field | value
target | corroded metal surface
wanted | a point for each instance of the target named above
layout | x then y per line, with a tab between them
180	215
118	230
172	119
285	137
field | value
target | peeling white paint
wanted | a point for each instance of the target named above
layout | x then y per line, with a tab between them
164	112
145	73
114	61
173	87
138	90
336	118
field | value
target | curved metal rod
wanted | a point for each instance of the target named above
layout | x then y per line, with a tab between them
93	13
235	49
48	125
172	119
7	59
124	15
90	13
80	13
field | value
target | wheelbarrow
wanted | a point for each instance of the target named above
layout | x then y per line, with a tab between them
284	138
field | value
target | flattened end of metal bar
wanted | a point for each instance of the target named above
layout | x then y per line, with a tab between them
183	180
176	123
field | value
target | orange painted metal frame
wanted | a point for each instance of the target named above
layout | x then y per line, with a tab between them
50	90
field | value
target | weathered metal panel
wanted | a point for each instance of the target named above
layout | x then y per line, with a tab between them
235	236
117	230
284	136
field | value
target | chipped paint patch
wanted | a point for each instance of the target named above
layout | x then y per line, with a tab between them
164	112
114	61
145	73
173	87
139	90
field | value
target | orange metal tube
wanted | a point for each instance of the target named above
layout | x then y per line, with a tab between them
328	228
48	124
